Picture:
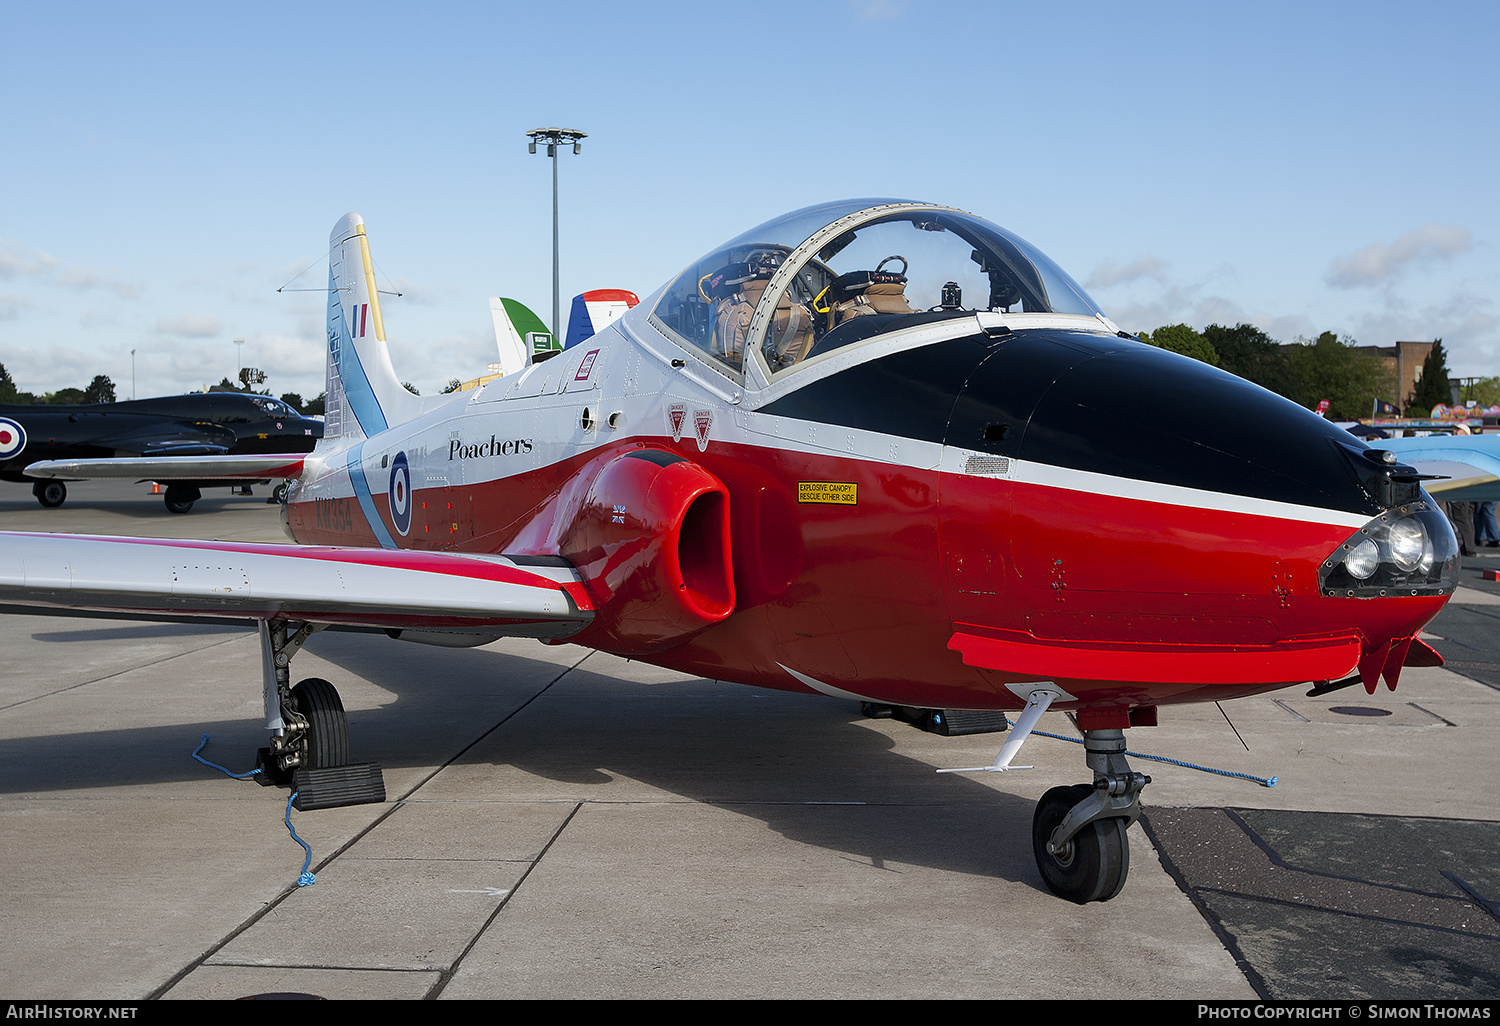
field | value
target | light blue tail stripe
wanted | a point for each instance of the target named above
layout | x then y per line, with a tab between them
358	392
366	500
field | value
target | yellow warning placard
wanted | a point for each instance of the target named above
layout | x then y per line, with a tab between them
845	493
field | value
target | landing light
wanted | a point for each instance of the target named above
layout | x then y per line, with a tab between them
1408	550
1408	542
1363	559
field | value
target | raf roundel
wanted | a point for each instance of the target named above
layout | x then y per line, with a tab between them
12	438
399	494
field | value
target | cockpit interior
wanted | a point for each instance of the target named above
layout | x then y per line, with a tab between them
820	279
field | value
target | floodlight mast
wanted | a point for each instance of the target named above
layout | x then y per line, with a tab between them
552	138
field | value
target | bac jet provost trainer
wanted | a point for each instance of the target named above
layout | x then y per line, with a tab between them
873	449
50	445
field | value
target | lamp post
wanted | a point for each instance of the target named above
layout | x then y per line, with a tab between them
132	374
552	138
239	351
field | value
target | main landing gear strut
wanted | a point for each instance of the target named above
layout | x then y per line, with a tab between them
1078	832
309	747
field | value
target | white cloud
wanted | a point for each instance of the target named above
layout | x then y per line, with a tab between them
1467	324
1378	263
11	305
1111	273
406	290
17	261
190	325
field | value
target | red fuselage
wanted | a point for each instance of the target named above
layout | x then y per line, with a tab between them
1162	557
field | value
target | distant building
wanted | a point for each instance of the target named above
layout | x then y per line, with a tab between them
1405	360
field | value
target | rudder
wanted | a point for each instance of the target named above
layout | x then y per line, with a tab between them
363	396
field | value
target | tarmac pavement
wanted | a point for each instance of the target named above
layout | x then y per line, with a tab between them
565	824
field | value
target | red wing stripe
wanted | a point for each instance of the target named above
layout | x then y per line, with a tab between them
373	587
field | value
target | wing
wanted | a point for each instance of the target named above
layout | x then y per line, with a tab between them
173	468
1460	480
1467	467
352	587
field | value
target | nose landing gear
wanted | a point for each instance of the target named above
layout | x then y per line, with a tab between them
1078	832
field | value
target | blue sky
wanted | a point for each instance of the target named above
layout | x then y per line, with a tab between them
1301	166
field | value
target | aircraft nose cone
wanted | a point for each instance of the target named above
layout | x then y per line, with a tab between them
1153	500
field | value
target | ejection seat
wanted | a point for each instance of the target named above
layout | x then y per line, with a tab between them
861	293
735	290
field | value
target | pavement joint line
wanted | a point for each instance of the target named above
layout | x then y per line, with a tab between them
1276	860
1289	709
1434	715
424	781
1227	937
320	966
117	673
359	835
1469	889
266	909
1265	899
446	976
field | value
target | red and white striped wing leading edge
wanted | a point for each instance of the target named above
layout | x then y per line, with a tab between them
254	581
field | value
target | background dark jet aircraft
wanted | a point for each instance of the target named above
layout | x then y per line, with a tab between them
197	424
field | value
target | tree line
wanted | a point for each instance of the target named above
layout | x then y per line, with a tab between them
1309	371
102	390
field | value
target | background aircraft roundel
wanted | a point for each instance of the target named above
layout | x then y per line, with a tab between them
12	438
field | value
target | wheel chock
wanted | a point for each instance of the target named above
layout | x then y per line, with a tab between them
335	786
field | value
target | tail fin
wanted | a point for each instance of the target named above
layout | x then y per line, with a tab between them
363	396
593	311
519	334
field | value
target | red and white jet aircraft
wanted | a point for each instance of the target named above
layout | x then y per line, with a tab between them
874	449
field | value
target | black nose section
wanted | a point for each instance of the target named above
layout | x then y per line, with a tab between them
1091	401
1123	408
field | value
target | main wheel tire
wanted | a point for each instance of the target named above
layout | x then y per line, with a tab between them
180	498
327	727
278	495
1090	867
50	494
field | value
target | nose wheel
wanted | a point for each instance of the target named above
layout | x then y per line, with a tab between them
1078	833
1089	866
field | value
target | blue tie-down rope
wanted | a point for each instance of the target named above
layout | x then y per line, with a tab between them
1262	781
305	878
214	765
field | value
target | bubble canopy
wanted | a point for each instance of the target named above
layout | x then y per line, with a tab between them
805	284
